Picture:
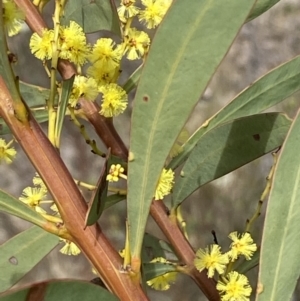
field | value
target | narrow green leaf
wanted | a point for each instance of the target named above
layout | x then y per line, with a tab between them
11	205
40	115
96	204
279	261
67	290
34	96
260	7
99	200
151	248
266	92
228	147
169	88
133	80
93	15
247	265
62	106
155	269
112	200
4	129
22	252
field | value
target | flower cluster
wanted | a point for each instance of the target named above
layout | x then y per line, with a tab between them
136	43
162	282
34	197
163	187
104	56
165	184
116	171
211	259
13	17
151	15
69	248
72	44
153	12
232	285
7	153
83	87
114	100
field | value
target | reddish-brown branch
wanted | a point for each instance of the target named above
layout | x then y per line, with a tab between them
103	127
69	200
182	248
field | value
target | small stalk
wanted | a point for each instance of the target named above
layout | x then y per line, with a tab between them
55	55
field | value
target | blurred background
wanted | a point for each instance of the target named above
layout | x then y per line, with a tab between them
223	205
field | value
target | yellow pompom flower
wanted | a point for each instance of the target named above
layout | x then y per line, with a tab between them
115	172
137	44
211	259
13	17
154	12
69	248
73	44
234	287
114	100
106	54
37	181
7	153
242	245
162	282
33	197
83	87
41	46
127	10
165	184
102	73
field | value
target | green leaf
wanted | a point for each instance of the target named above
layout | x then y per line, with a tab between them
96	205
279	261
152	248
266	92
40	115
169	88
99	200
260	7
67	290
92	15
113	199
154	269
4	129
11	205
228	147
247	265
62	106
133	80
34	96
22	252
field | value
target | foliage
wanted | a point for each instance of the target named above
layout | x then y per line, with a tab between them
162	160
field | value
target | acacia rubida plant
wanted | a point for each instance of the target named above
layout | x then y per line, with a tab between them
175	68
